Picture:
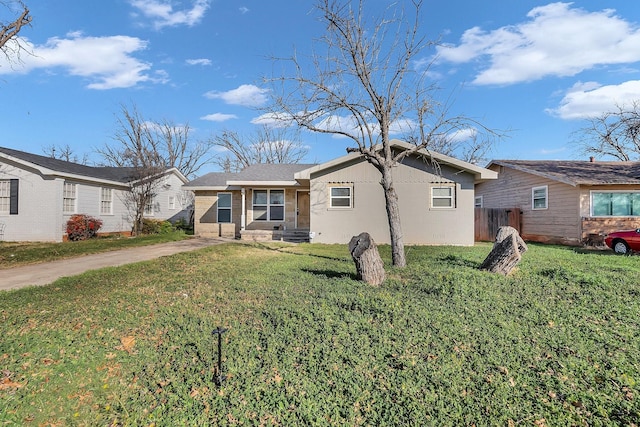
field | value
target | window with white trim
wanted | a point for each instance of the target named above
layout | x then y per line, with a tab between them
172	202
268	205
615	203
69	198
478	202
443	197
539	197
5	196
106	201
149	208
340	197
224	207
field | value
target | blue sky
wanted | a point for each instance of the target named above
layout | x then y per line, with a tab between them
535	68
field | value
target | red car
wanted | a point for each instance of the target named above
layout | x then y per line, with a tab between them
622	242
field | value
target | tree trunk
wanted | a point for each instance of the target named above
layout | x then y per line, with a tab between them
369	265
398	258
506	253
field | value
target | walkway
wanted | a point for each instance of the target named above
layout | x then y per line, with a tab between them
48	272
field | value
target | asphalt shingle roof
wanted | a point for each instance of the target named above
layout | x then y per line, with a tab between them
579	172
117	174
256	173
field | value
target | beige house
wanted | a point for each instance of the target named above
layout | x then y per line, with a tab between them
333	201
566	202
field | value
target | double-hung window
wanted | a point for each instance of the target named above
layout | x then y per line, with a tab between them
172	202
340	197
615	203
5	196
224	207
149	208
69	198
443	196
539	197
268	205
106	201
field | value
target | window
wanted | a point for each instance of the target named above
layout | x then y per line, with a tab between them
539	197
340	197
9	196
616	203
106	201
172	202
268	205
69	198
443	197
224	207
149	209
478	202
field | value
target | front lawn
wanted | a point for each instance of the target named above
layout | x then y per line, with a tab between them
440	343
14	254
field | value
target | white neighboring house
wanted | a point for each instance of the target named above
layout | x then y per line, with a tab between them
39	194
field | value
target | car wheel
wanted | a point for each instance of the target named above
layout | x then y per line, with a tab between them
621	247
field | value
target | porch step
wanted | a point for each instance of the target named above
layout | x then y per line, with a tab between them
296	236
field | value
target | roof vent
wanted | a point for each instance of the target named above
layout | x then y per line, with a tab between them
592	159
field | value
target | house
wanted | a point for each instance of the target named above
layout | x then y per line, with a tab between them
566	202
39	194
333	201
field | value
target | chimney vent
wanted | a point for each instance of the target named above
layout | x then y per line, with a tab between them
592	159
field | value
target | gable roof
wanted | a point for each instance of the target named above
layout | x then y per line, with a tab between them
50	166
275	174
576	172
478	172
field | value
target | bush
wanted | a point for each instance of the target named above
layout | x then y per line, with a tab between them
82	227
154	226
184	225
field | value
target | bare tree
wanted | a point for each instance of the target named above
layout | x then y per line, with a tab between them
65	153
149	148
364	85
613	134
10	44
266	145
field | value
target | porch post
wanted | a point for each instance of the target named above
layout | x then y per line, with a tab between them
243	219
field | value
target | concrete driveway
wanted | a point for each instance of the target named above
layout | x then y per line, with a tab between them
48	272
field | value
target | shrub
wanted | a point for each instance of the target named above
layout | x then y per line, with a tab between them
82	227
154	226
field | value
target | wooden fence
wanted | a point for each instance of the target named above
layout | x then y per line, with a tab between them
488	220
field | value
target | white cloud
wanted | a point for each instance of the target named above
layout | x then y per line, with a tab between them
162	12
590	99
218	117
199	61
106	61
245	95
557	40
244	10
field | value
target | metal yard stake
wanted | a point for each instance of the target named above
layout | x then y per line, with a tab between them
218	378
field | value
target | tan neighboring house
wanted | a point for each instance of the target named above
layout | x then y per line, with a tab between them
333	201
566	202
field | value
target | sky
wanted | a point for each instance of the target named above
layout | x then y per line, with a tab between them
535	69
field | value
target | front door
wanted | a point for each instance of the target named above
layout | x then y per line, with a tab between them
303	212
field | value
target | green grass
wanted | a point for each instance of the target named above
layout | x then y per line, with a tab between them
440	343
16	254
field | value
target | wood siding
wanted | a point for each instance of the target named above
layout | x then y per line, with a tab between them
559	223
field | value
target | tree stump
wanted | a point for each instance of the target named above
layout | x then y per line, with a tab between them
506	253
369	265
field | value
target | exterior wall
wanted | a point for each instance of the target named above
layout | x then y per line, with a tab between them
206	214
413	180
39	207
559	223
88	203
171	186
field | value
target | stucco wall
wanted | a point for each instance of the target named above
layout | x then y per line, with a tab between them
413	180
